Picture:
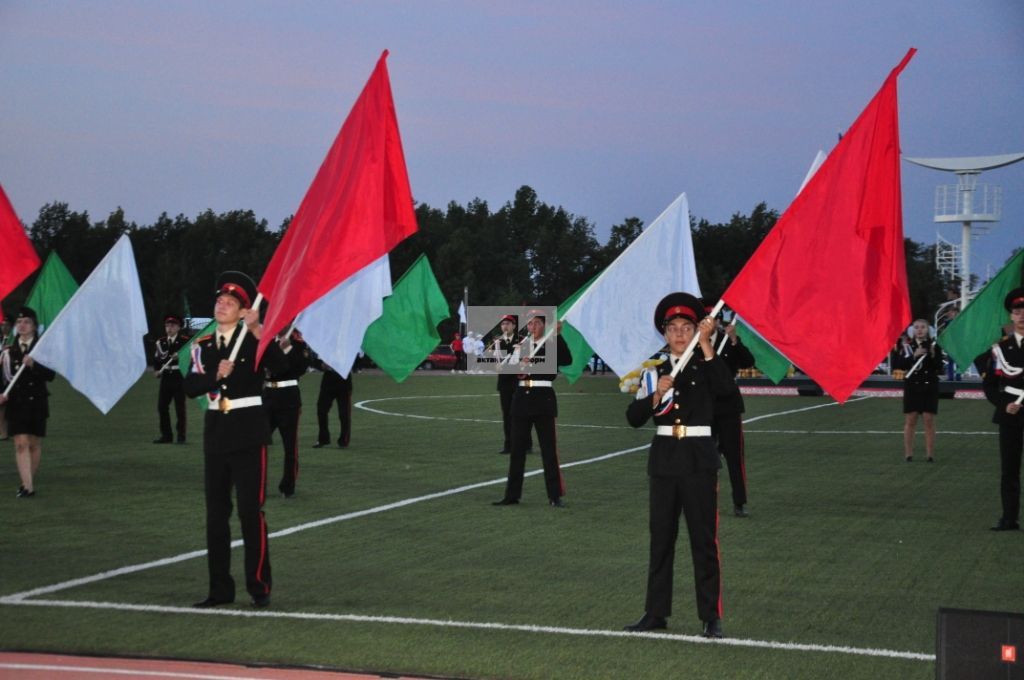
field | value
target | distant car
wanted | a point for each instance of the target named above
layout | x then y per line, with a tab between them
442	357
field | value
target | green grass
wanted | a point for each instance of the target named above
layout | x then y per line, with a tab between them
847	546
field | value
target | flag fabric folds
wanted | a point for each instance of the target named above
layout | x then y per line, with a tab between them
53	288
185	358
616	313
19	259
335	324
358	207
975	329
828	285
96	340
407	331
574	340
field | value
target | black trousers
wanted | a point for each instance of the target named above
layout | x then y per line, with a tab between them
334	389
728	431
245	471
695	495
172	388
505	395
286	421
1011	445
546	436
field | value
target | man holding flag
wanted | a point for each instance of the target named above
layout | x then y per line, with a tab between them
167	371
1004	387
234	437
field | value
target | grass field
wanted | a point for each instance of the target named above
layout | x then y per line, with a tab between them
849	549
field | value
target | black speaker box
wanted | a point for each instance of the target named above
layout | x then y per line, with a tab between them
979	645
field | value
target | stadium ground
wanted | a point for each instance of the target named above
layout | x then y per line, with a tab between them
391	559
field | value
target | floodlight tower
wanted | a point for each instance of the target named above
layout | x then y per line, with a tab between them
968	202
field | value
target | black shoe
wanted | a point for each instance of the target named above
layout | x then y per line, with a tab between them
930	459
908	459
712	629
287	494
320	445
342	443
212	602
504	452
740	511
260	600
25	493
556	503
1005	525
646	623
506	501
181	440
162	440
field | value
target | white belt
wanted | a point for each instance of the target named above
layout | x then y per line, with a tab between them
535	383
681	431
1015	391
281	383
225	405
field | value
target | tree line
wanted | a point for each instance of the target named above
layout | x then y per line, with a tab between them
525	252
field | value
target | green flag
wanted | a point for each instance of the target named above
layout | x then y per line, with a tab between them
407	330
51	291
767	359
980	324
581	351
185	357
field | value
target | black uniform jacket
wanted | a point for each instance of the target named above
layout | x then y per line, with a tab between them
236	428
168	349
697	386
540	401
31	386
996	380
735	357
296	362
931	366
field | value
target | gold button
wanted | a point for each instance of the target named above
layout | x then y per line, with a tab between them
675	406
678	421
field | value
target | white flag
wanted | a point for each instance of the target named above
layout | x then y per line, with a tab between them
96	340
335	324
616	314
462	313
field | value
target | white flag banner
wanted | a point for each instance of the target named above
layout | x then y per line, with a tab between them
616	314
815	164
96	340
462	313
335	324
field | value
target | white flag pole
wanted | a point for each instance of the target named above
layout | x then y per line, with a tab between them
16	376
693	343
915	366
245	328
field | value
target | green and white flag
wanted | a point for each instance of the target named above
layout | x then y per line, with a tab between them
581	351
405	333
51	291
980	324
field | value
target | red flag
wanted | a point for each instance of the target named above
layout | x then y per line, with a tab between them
828	286
357	209
19	259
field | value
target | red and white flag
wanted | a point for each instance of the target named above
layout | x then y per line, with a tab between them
19	255
828	286
357	209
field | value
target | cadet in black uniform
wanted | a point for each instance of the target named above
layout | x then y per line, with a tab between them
27	405
283	401
333	388
507	382
921	388
683	464
534	405
234	439
172	384
728	424
5	332
1004	387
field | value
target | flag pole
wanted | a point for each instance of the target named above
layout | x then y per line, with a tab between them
16	376
693	343
914	367
245	329
721	345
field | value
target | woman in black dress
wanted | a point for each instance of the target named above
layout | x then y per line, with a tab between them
27	403
921	359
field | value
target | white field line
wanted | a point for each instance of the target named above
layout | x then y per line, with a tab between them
477	625
22	597
128	672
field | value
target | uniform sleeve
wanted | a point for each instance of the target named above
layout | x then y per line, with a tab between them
640	410
564	353
298	359
40	371
274	359
990	383
720	378
738	356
